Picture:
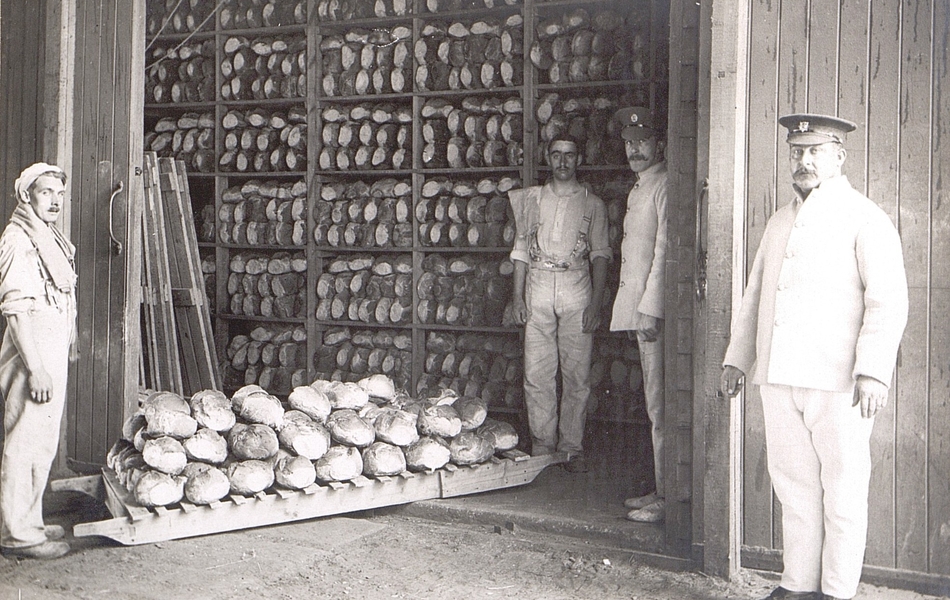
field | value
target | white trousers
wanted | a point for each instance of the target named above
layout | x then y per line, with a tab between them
554	338
651	363
31	429
820	463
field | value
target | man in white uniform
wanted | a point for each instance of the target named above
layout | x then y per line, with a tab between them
560	255
638	306
38	301
818	329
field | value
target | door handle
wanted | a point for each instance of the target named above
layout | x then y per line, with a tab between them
116	244
699	281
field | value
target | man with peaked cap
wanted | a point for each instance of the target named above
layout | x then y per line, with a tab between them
818	330
38	301
638	306
560	254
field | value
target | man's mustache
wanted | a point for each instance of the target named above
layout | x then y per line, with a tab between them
636	157
804	172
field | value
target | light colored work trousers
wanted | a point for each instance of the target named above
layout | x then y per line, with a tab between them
31	430
819	460
651	363
554	335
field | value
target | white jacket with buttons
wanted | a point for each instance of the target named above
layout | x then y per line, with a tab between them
642	252
826	299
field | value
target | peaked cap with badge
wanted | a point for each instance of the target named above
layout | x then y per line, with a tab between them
811	129
636	122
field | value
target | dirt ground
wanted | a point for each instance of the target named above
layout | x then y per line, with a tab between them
383	554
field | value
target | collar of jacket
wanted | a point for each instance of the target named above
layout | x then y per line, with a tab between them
829	186
653	171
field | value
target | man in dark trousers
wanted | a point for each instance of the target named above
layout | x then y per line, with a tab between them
38	301
818	330
560	255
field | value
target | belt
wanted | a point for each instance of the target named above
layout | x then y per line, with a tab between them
556	266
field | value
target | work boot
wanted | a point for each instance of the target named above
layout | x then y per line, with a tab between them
54	532
576	464
781	593
44	551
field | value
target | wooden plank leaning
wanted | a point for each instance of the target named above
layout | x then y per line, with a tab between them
162	365
192	314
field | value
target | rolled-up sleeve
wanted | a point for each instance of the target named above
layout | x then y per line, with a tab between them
598	236
519	250
21	282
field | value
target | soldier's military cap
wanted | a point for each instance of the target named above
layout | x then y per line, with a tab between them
636	123
808	129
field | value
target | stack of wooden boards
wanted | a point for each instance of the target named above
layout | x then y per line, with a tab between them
178	345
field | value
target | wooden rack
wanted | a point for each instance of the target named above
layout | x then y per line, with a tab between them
133	524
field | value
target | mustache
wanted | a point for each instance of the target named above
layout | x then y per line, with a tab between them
636	157
804	172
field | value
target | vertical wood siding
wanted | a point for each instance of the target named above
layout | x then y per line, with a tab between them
883	64
680	20
108	107
22	52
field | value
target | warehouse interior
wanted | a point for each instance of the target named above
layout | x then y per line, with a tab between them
338	152
348	179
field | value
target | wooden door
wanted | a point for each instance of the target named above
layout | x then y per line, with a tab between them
107	198
882	64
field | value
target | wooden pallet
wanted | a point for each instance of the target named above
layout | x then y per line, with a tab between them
133	525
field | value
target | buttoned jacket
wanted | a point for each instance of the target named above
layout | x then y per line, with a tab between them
826	299
642	252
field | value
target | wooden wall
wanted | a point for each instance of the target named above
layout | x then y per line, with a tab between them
106	150
22	59
882	64
681	158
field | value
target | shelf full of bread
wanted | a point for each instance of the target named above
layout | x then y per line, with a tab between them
353	166
587	60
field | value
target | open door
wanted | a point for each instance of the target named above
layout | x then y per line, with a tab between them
107	198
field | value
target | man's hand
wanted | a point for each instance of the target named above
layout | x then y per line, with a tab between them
591	320
650	327
730	382
41	386
871	394
519	311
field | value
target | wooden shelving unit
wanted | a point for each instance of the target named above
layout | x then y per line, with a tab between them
213	186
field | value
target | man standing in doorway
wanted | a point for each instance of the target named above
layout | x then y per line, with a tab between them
560	255
818	330
38	300
638	307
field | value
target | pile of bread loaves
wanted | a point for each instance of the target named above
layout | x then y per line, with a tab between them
204	449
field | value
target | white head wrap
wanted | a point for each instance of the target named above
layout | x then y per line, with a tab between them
31	174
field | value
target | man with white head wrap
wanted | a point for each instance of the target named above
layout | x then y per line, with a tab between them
38	300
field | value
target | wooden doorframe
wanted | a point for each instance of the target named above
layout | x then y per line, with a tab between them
723	124
60	75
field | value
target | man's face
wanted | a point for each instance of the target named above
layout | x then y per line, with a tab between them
643	154
814	164
47	197
564	159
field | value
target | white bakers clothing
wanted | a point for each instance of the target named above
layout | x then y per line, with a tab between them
557	237
826	301
640	292
31	429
